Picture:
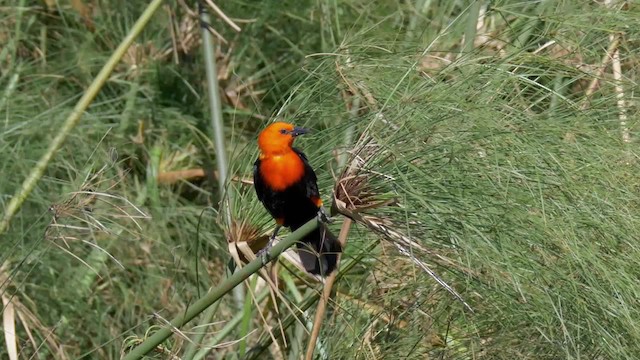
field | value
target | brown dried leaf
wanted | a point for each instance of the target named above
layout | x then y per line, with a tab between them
84	11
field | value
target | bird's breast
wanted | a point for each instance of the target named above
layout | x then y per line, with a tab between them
281	171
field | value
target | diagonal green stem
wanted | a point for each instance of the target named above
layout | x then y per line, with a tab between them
214	295
36	173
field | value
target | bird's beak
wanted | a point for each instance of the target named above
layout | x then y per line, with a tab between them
298	131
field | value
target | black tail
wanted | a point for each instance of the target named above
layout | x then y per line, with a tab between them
319	251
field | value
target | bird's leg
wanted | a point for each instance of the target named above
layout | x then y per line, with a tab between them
264	252
323	217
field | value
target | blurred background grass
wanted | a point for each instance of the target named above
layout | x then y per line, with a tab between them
510	162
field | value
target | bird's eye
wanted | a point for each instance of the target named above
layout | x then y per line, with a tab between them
283	131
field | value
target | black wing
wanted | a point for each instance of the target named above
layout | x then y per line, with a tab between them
258	184
310	180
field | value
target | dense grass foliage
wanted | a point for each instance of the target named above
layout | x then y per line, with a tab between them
507	166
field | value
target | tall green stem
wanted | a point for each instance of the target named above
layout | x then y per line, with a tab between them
216	112
217	124
472	26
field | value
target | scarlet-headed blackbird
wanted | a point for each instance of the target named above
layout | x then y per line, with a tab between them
286	185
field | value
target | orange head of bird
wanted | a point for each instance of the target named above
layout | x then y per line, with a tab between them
278	137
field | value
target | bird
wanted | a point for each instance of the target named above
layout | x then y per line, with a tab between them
286	185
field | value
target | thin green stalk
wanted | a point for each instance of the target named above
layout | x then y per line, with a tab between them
297	347
527	25
348	135
472	26
421	8
558	86
300	330
216	112
129	106
8	91
43	46
245	327
153	192
214	295
226	194
38	170
11	45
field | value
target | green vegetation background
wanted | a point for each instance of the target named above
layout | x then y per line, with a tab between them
510	162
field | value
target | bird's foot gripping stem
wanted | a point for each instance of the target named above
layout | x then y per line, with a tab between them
323	217
264	252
